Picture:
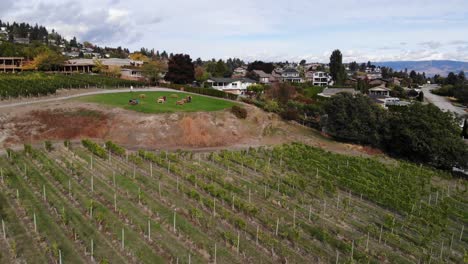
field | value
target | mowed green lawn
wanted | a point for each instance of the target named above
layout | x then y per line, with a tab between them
150	104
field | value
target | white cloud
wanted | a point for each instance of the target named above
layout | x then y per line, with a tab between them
261	29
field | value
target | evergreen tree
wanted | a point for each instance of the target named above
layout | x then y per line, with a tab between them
337	70
465	129
180	69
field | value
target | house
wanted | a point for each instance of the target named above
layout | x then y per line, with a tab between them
17	40
72	66
132	74
374	75
11	64
3	33
111	62
329	92
319	78
291	75
378	82
230	85
380	91
239	72
265	78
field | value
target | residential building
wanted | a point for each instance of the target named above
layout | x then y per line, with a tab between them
380	91
239	72
319	78
77	67
377	82
230	85
3	34
374	75
17	40
132	74
291	75
111	62
265	78
11	64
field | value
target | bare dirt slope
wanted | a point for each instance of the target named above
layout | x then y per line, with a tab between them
74	120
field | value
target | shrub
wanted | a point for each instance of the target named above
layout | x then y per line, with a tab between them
271	106
239	112
67	144
94	148
48	146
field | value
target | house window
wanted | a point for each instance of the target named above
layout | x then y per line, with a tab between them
234	84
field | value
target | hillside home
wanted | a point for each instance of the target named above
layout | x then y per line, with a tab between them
230	85
377	82
265	78
319	78
3	33
291	75
11	64
374	75
239	72
17	40
380	91
132	74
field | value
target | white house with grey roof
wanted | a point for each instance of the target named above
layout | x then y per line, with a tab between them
291	75
231	85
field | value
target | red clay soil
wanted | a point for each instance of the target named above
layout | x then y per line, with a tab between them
59	124
75	120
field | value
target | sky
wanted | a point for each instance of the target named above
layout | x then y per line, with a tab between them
271	30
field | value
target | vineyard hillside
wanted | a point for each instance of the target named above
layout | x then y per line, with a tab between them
292	203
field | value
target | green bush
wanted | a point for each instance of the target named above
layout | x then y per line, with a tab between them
94	148
239	112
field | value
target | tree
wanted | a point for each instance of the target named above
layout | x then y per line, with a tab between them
353	66
221	69
201	75
47	61
138	56
153	70
354	118
421	96
302	63
424	133
114	71
74	42
461	77
99	66
260	65
451	79
464	133
180	69
337	70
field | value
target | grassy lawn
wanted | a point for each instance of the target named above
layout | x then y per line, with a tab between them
150	105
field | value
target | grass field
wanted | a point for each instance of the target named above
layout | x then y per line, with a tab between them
149	104
288	204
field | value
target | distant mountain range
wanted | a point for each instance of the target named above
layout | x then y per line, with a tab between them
442	67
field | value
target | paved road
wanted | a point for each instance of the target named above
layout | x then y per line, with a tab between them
47	100
440	101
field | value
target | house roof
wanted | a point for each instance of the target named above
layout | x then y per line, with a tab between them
230	80
107	62
290	70
262	74
380	88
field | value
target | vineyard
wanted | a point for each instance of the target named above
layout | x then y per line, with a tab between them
36	84
292	203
